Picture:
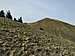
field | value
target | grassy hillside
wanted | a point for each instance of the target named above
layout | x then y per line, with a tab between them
56	27
46	37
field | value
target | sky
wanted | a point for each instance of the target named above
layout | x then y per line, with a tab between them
34	10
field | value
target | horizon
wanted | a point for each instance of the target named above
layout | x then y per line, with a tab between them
32	11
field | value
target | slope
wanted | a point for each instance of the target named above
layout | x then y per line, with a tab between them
56	27
46	37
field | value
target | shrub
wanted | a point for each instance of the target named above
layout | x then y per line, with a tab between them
41	29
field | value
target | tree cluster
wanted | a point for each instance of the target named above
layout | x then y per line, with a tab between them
9	16
19	20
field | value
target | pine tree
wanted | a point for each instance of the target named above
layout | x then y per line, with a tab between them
15	19
2	14
8	15
20	20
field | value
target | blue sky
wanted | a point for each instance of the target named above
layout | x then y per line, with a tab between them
33	10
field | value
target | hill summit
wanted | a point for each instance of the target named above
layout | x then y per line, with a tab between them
46	37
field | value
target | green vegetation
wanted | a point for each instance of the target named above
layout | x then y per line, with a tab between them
46	37
9	16
20	20
2	14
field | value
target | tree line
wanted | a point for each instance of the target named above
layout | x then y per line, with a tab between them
9	16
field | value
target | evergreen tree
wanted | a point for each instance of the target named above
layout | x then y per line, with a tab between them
15	19
8	15
2	14
20	20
